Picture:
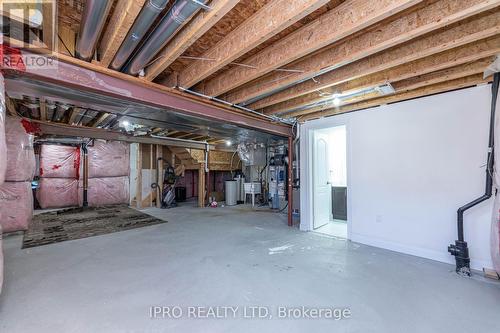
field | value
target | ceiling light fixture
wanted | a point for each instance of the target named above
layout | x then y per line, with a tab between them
336	101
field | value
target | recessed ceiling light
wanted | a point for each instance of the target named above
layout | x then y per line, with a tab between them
336	101
228	143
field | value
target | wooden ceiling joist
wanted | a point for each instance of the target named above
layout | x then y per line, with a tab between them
73	115
9	105
188	36
469	69
49	24
43	109
104	134
267	22
470	52
342	21
448	74
476	29
424	91
100	119
120	23
402	29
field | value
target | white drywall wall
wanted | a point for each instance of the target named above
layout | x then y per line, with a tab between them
410	166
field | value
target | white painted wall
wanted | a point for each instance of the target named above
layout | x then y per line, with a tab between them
410	166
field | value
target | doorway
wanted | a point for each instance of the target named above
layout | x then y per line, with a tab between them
330	188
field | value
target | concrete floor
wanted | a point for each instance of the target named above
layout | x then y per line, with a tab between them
233	257
335	228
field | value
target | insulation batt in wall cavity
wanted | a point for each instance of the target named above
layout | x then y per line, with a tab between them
59	161
3	147
21	162
57	192
108	159
16	206
106	191
1	260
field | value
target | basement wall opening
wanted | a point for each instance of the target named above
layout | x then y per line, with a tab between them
330	186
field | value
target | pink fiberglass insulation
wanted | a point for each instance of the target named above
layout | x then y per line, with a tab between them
1	260
16	206
57	192
3	145
106	191
108	159
59	161
21	162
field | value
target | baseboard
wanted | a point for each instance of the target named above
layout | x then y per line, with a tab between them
414	251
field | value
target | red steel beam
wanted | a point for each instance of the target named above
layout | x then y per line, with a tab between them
83	76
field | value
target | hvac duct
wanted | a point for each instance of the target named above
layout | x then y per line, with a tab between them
180	12
148	15
93	19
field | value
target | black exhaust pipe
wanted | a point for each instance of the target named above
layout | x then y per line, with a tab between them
85	175
460	249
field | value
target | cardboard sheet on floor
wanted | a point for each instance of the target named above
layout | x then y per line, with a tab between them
16	206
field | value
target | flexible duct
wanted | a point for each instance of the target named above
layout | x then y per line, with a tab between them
148	15
180	12
93	19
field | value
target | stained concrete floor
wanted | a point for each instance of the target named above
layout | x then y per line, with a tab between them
233	257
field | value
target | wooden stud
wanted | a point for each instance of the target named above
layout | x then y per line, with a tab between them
200	24
138	193
268	21
422	21
201	185
43	109
348	18
120	23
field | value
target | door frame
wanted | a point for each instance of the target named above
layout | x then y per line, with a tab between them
306	170
314	174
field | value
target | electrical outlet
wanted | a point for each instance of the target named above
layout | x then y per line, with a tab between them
378	219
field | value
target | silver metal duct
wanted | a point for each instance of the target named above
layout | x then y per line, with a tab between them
180	12
148	15
93	19
62	140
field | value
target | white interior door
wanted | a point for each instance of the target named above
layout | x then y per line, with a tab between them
322	203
